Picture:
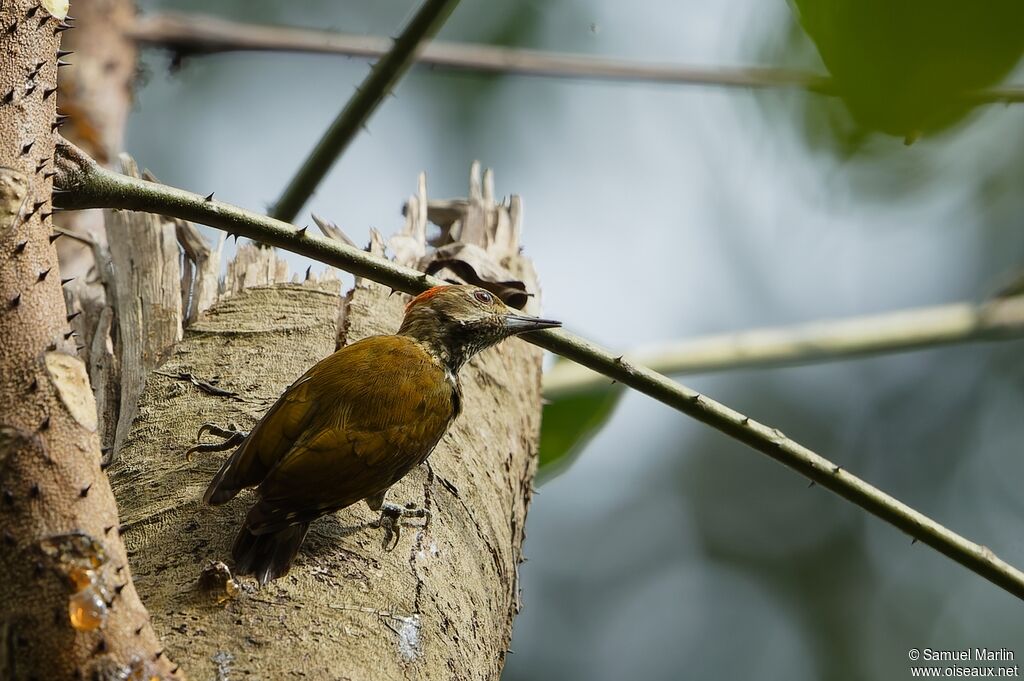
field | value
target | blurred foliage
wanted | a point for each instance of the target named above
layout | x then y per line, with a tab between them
902	75
907	68
569	423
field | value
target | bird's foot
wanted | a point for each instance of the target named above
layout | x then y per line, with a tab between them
390	520
230	437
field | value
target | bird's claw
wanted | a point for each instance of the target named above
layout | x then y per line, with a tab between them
217	431
231	437
390	521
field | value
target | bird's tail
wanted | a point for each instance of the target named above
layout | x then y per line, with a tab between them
268	555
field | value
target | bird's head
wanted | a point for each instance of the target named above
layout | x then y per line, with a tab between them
458	321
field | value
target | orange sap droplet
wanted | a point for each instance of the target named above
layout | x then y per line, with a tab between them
81	578
87	610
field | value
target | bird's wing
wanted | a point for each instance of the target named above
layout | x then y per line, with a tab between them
268	441
396	405
355	424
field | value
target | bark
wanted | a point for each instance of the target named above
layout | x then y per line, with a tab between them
95	94
145	296
441	605
254	266
67	603
200	275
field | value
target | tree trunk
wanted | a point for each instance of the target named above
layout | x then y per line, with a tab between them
441	604
69	608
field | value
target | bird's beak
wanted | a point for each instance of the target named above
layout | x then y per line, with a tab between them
517	323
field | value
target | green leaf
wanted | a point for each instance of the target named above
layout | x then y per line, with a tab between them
569	423
910	66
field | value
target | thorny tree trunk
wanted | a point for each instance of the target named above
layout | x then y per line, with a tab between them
67	603
441	605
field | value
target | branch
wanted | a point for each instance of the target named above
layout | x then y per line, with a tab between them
999	319
380	81
191	34
84	184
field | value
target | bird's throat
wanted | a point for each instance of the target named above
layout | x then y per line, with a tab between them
452	356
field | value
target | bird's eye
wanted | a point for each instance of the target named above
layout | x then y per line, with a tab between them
483	296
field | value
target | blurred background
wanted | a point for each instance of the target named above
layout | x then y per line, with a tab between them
660	212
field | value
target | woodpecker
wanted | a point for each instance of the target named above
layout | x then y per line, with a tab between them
357	422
